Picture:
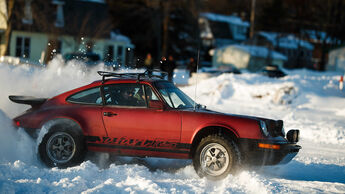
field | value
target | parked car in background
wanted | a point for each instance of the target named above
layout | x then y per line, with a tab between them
272	71
140	114
89	58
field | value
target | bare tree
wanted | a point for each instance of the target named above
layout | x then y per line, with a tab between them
7	16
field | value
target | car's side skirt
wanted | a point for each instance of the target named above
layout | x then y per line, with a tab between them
138	148
124	143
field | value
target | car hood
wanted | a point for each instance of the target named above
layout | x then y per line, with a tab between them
274	127
208	111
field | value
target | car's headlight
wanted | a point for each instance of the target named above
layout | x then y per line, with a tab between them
263	128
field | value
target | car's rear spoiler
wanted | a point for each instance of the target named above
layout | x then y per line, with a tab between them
33	101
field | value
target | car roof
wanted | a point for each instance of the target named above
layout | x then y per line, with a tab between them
98	83
147	76
125	80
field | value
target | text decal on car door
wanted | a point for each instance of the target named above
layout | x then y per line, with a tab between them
124	142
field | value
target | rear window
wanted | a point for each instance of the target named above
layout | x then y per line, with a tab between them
89	96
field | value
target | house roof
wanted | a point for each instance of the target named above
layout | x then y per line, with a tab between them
225	18
285	41
319	36
81	18
259	51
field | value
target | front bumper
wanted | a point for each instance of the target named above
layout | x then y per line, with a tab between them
258	152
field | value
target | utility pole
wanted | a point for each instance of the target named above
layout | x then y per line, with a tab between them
252	19
166	16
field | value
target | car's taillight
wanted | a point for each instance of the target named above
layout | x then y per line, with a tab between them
17	123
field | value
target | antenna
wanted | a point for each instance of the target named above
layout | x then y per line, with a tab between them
196	78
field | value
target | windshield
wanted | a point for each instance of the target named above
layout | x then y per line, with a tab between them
173	96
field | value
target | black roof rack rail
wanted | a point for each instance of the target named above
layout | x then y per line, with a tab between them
145	74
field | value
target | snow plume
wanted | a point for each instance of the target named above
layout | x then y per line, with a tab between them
15	144
56	78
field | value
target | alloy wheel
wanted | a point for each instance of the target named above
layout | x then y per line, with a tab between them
214	159
60	147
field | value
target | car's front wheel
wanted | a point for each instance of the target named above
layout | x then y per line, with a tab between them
62	148
216	157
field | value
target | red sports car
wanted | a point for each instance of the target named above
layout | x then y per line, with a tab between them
139	114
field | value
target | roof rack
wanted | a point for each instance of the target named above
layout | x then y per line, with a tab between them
137	76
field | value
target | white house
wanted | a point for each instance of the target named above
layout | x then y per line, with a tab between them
336	60
253	58
218	30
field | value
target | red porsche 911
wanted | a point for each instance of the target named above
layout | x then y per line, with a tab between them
140	114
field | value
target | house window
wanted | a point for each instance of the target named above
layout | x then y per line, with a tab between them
119	54
235	29
220	29
59	46
23	47
119	51
242	30
27	19
109	53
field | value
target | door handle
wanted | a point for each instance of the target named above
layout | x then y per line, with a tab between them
109	114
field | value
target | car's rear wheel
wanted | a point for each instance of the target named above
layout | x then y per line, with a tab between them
216	157
62	148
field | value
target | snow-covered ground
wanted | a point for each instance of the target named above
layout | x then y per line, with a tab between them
309	101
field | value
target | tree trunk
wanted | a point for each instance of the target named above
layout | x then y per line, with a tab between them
52	44
324	51
8	32
166	9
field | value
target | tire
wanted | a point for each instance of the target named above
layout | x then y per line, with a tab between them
216	157
62	147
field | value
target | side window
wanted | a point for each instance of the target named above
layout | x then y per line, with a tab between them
176	100
89	96
150	95
124	95
166	97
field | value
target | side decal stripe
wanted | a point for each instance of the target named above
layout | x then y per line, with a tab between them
93	138
137	148
183	146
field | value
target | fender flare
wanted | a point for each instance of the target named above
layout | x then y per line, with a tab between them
60	121
210	125
195	138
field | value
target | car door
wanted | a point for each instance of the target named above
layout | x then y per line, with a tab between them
85	107
135	128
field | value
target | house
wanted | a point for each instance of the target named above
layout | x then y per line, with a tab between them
298	52
253	58
218	30
336	60
43	28
323	42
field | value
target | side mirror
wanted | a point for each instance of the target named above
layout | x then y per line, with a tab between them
156	104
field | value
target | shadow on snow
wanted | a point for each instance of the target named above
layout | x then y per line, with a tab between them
305	172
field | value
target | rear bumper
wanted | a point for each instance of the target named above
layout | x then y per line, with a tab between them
271	154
